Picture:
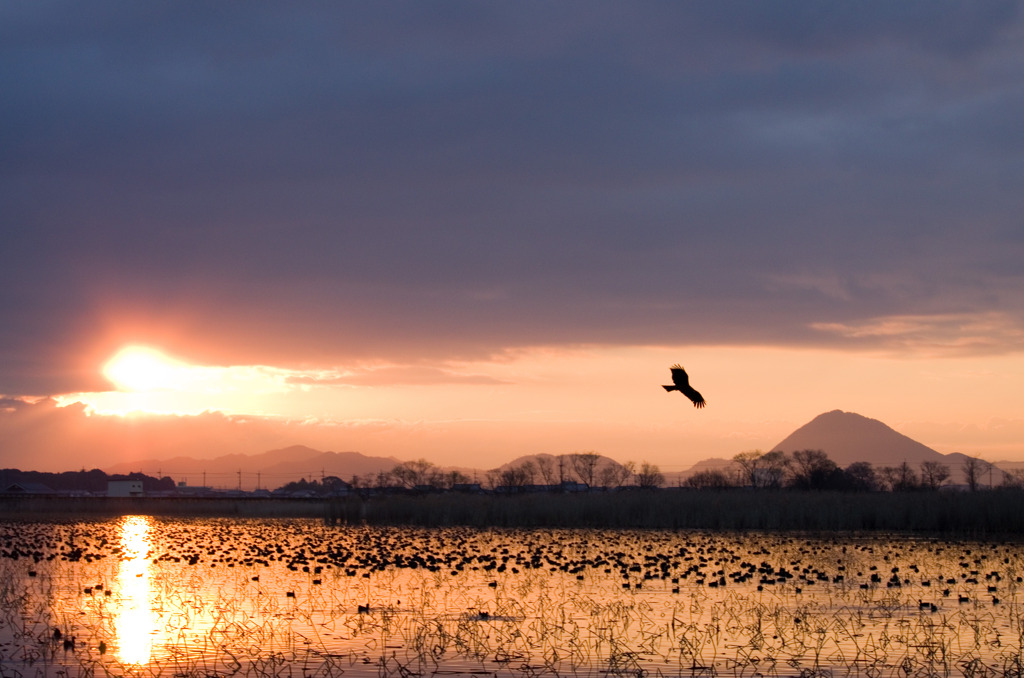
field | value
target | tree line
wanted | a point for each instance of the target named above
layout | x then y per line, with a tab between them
587	468
94	481
813	470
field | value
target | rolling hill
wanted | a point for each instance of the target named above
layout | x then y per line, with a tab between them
268	469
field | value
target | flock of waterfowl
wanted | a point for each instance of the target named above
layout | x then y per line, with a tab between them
764	595
962	572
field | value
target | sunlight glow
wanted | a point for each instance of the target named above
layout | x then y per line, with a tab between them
137	368
134	620
149	381
557	400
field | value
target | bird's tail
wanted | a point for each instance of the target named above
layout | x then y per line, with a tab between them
670	388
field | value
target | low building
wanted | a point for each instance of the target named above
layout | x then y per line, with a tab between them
124	488
26	488
183	489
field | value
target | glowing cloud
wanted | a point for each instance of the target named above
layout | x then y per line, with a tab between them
137	368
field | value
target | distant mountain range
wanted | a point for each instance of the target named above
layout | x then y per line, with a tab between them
844	436
270	469
847	437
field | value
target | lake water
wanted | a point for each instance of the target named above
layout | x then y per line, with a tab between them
152	597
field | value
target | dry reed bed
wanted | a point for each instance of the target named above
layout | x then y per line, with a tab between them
972	514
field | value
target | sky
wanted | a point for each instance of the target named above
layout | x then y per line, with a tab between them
469	231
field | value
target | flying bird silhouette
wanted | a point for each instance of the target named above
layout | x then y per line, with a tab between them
682	384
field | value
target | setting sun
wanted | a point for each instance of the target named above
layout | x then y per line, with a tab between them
137	368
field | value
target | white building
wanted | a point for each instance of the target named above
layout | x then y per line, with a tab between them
124	488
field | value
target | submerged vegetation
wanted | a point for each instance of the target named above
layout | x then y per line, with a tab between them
140	596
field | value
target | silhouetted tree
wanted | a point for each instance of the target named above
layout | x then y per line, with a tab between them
453	478
546	468
614	474
774	467
333	484
973	468
750	464
1013	479
712	479
813	470
517	476
410	474
585	465
861	476
887	478
904	478
933	474
649	476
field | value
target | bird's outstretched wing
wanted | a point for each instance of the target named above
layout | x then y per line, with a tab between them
695	396
682	384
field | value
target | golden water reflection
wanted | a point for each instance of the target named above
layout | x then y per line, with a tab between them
133	618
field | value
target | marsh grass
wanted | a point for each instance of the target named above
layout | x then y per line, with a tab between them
970	514
228	597
962	513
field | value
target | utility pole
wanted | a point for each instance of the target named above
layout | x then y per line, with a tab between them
239	480
258	480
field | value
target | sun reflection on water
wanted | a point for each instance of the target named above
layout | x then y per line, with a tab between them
133	620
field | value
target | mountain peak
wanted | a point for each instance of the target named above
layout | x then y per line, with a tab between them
847	437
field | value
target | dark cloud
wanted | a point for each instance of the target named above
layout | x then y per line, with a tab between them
308	184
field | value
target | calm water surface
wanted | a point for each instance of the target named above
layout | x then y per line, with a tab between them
153	597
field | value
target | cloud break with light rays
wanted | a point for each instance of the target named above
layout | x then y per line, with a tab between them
557	401
440	229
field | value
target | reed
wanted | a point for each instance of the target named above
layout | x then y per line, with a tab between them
956	513
994	512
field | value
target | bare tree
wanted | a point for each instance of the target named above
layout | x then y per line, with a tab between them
546	468
862	476
529	471
649	476
1014	478
887	478
750	464
453	478
774	467
973	468
517	476
763	469
933	474
614	474
812	469
492	479
410	474
585	466
712	479
905	478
